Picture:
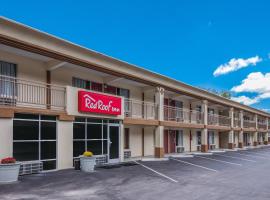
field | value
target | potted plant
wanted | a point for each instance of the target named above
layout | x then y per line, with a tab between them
9	170
88	161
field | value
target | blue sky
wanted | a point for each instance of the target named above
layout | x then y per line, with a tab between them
187	40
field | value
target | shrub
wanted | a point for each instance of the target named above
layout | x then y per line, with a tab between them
88	154
8	160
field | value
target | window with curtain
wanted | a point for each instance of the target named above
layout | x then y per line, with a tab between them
96	86
211	137
110	89
179	138
179	111
199	136
80	83
7	81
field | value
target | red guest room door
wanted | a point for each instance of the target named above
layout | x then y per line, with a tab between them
172	141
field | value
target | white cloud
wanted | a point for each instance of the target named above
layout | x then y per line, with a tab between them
246	100
255	82
236	64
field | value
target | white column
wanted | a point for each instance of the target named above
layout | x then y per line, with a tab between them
159	130
266	134
204	139
64	144
159	97
241	133
6	137
122	141
255	137
231	133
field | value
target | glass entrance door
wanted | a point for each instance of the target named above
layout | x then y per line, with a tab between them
113	143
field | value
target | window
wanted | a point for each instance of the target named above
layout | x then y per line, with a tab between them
96	86
123	93
110	89
34	138
90	134
199	138
7	81
80	83
179	138
211	137
179	111
211	111
126	139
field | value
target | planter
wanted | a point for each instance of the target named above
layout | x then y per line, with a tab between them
9	172
88	163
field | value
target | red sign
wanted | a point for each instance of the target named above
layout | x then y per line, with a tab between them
99	103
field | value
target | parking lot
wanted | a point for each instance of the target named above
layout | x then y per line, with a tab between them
227	175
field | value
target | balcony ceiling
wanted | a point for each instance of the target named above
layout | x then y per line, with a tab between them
24	53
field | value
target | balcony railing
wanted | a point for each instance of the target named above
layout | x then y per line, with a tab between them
262	125
249	124
24	93
237	122
219	120
140	109
182	115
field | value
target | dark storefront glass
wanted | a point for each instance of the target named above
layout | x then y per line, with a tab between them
25	130
25	151
94	131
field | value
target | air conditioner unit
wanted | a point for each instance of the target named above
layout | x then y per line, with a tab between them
199	148
180	149
212	146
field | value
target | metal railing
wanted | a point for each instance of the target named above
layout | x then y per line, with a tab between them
237	122
219	120
140	109
262	125
182	115
249	124
24	93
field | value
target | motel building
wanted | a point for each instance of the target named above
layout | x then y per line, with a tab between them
58	99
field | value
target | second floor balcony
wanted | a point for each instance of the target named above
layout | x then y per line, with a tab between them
182	115
262	125
140	109
249	124
219	120
16	92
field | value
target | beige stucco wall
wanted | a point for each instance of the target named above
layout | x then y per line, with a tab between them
149	149
27	68
64	144
135	138
6	138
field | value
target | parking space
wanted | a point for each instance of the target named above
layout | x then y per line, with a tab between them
232	174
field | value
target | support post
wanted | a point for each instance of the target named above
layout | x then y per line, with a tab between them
255	137
231	133
204	139
159	131
241	133
266	134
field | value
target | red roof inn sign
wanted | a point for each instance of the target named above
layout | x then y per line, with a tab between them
91	102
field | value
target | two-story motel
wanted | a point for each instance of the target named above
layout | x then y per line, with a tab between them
58	99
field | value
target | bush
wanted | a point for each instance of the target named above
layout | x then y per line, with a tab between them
8	160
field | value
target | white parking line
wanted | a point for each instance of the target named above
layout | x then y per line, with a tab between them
188	163
235	158
248	155
260	154
231	163
163	175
